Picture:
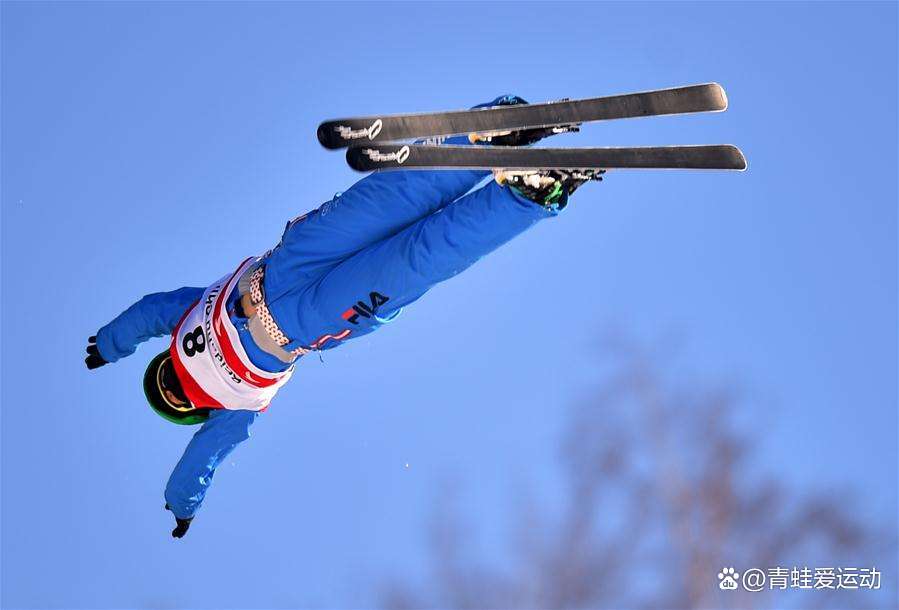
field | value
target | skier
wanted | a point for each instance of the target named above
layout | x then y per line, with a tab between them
339	272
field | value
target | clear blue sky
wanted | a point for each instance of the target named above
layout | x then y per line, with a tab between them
150	146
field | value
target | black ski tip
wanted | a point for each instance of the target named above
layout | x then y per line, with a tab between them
326	137
356	160
737	157
722	102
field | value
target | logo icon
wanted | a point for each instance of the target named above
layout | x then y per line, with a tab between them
728	578
375	129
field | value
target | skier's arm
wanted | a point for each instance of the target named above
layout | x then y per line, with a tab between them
212	443
154	315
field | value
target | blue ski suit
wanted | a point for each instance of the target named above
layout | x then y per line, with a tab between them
394	233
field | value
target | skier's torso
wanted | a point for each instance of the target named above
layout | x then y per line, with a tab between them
289	272
210	356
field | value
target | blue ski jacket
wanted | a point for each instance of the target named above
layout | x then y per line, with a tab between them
339	272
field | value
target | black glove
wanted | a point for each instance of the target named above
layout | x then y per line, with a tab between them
94	360
181	525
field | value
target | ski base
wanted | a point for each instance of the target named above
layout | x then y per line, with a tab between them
415	156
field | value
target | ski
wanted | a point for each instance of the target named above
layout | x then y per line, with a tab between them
341	133
416	156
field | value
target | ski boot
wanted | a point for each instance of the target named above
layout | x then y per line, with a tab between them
549	188
520	137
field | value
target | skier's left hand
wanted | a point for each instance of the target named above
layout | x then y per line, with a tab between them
94	360
181	525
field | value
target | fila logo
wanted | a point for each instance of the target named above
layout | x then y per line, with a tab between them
363	309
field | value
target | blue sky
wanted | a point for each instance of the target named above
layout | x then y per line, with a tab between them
150	146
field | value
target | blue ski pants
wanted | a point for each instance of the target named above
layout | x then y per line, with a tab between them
343	270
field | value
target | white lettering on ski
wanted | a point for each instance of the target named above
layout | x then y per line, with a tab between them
399	156
371	132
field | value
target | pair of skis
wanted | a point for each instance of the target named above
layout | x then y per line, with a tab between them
369	139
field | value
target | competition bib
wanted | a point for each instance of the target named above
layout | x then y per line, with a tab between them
210	361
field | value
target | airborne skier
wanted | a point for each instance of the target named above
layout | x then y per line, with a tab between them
339	272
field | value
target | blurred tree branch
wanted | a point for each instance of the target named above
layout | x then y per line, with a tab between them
661	494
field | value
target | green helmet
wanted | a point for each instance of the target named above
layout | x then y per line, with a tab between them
160	378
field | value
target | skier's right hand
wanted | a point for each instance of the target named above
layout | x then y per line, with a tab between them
94	360
181	525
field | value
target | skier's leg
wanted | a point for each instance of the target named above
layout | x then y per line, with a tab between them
364	291
374	208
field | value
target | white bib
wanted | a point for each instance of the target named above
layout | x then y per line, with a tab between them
210	361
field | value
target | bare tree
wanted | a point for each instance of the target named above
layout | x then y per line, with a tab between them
661	495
